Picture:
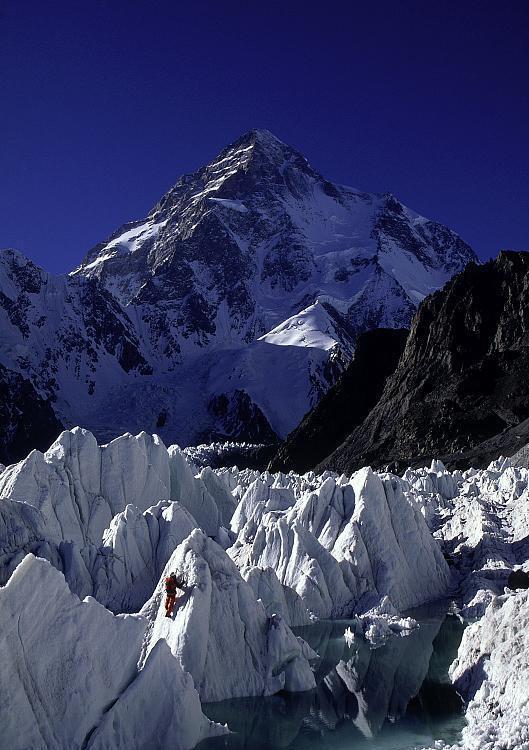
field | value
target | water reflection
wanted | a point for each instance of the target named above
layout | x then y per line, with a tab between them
394	696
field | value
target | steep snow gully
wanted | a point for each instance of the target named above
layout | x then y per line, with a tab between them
88	534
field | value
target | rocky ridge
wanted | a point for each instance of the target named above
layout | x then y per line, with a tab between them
27	421
459	391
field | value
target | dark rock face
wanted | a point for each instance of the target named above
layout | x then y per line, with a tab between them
518	579
521	457
462	380
26	420
238	415
345	405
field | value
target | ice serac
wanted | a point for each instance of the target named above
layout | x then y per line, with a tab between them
205	497
343	545
221	494
108	517
300	562
76	691
171	720
253	264
492	672
228	454
481	520
276	597
220	633
78	486
259	498
121	571
389	543
135	550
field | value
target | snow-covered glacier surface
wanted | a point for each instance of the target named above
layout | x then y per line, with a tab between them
492	672
88	533
70	679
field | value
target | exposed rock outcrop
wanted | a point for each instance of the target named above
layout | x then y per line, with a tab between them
345	405
27	421
462	378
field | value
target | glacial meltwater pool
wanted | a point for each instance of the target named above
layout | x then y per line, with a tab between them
394	697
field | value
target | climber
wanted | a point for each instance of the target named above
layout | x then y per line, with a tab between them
172	583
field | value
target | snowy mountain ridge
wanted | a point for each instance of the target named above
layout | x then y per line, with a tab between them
231	308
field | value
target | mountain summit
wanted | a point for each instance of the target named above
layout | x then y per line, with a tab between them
241	293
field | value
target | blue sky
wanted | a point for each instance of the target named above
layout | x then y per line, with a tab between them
105	104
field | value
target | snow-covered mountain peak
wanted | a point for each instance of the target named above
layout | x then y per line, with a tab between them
312	327
262	136
18	276
258	144
217	286
257	163
12	260
12	255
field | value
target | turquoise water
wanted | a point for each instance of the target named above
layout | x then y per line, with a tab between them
397	696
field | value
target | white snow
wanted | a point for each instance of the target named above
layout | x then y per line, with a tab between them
235	205
260	552
492	672
284	380
312	327
69	667
220	633
127	242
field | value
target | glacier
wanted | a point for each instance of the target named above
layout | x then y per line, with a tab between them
70	678
88	533
220	633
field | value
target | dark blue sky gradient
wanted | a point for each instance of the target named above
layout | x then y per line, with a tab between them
105	104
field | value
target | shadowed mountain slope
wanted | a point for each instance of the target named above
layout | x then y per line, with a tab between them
346	404
460	391
26	420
